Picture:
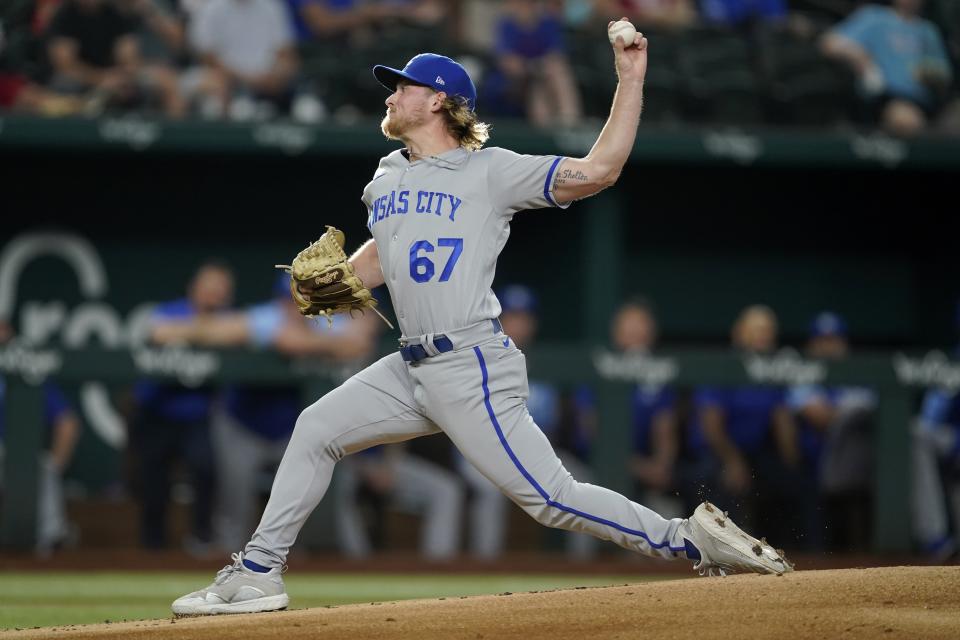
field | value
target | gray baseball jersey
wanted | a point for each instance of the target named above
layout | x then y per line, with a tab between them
440	224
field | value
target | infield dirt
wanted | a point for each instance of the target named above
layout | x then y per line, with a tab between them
889	602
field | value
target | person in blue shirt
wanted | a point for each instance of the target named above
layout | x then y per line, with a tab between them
532	78
733	13
836	443
745	438
654	433
338	20
252	423
900	60
173	422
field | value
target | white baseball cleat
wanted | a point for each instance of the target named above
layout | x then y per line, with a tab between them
236	589
725	548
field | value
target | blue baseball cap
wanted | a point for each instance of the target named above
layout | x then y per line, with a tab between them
517	297
440	73
828	323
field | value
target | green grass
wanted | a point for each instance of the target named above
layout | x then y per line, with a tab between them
48	599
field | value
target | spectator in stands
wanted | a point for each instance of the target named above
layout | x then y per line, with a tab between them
18	90
655	433
61	432
900	60
562	417
648	13
246	47
173	422
835	430
160	31
188	11
349	21
735	13
252	424
92	47
746	439
532	78
340	21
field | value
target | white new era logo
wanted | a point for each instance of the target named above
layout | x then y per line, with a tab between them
439	80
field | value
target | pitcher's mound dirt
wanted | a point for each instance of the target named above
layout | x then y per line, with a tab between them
892	602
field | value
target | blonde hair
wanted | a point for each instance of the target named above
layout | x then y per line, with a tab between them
464	125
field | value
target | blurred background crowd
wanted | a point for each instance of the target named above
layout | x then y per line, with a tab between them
796	463
803	63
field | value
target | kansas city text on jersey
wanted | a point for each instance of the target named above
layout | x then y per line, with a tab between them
403	202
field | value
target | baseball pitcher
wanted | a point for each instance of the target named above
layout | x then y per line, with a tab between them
439	211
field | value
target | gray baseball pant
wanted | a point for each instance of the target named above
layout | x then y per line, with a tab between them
476	395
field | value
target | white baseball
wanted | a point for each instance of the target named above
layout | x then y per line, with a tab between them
623	29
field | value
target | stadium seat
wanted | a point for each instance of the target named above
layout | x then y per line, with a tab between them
800	85
664	84
721	85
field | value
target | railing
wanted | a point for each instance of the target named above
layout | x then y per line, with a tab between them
896	377
730	146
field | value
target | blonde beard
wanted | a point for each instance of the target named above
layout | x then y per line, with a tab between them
385	127
395	128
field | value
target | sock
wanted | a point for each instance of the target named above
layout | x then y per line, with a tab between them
692	552
259	568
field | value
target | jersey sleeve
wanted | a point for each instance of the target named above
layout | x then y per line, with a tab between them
517	182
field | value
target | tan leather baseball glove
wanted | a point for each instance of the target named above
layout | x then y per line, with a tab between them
322	281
